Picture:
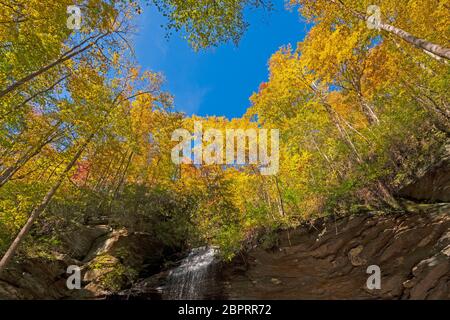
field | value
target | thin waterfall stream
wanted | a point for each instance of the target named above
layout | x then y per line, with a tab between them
191	279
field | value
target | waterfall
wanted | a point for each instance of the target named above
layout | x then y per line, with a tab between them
191	279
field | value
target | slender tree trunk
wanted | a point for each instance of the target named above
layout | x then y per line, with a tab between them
342	132
46	200
368	110
104	175
335	119
327	159
72	53
432	48
40	208
32	97
9	172
124	173
117	173
280	198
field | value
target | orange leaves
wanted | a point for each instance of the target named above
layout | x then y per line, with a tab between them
134	73
381	69
262	86
82	172
347	108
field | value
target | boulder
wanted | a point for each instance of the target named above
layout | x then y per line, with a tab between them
109	260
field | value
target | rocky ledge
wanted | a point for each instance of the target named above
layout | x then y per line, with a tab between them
328	259
109	260
325	259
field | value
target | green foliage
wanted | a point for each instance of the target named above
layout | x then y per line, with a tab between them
207	23
115	275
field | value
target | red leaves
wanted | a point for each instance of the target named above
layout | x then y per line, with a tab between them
82	172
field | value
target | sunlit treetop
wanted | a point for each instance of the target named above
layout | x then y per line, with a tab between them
207	23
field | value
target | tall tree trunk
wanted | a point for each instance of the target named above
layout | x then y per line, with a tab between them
40	208
368	110
280	199
436	51
122	178
32	97
327	159
335	119
427	46
68	55
342	132
48	197
9	172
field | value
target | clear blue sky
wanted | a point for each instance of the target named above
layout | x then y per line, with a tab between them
217	81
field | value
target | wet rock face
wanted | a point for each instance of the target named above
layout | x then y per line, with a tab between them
431	183
329	260
434	186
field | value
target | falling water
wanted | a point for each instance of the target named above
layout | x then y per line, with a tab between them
193	276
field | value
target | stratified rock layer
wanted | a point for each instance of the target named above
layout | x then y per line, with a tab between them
431	183
329	259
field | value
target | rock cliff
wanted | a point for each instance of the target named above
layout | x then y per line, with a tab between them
329	259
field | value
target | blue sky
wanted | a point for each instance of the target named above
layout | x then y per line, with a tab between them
217	81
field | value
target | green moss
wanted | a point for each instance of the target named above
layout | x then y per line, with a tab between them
117	275
117	279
